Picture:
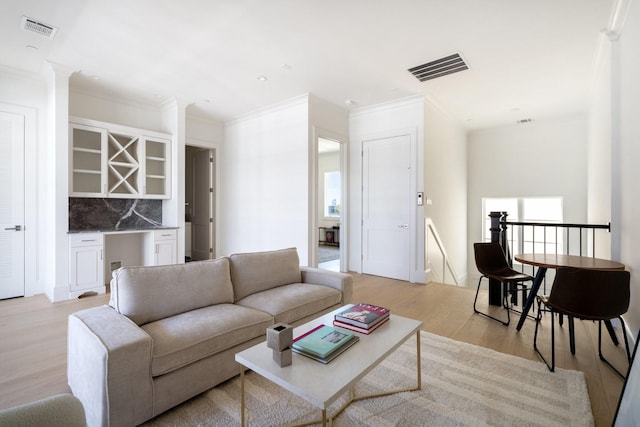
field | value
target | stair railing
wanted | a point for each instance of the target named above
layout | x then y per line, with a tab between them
431	235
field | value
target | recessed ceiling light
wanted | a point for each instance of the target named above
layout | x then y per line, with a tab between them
349	101
262	78
523	121
32	48
286	67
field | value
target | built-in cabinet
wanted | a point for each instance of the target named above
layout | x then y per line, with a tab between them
88	263
108	160
162	247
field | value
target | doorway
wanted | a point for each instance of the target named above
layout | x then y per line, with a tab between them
200	200
330	204
12	200
386	207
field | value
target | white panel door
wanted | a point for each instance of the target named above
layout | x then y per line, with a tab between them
11	205
386	210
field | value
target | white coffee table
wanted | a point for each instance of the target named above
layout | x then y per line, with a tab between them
321	384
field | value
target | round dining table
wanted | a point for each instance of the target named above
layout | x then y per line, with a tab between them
545	261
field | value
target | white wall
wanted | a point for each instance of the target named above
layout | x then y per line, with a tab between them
265	176
115	110
543	158
626	109
599	160
445	186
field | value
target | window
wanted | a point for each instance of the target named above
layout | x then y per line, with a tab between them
332	194
527	209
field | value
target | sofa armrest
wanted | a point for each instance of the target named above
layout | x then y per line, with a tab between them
59	410
109	367
340	281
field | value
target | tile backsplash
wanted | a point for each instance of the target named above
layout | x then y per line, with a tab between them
113	214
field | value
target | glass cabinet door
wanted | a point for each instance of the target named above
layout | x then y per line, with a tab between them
87	161
156	167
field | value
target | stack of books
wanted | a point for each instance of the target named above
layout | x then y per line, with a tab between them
324	343
362	318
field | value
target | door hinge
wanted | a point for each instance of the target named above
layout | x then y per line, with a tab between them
210	159
210	219
210	250
211	190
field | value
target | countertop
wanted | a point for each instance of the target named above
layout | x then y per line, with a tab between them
124	229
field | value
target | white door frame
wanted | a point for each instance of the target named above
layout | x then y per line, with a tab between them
415	275
194	142
317	133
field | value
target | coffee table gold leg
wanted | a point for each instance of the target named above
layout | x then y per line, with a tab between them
242	396
418	361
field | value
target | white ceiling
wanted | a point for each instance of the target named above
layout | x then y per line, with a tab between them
527	59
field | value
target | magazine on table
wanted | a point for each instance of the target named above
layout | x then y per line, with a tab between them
331	356
363	315
322	341
355	328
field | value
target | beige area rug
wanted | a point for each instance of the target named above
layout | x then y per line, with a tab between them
462	385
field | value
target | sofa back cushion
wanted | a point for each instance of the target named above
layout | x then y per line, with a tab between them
146	294
259	271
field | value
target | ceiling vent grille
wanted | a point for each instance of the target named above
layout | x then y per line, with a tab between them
37	27
440	67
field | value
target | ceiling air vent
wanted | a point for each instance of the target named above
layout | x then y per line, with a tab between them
37	27
440	67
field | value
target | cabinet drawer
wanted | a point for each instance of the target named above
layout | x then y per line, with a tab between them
85	239
165	235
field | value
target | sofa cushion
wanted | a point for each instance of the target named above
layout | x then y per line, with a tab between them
259	271
146	294
293	302
188	337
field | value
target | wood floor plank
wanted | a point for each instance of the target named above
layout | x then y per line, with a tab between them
33	338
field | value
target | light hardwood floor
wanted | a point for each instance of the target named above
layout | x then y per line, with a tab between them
33	338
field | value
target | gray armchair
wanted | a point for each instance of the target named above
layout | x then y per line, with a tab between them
55	411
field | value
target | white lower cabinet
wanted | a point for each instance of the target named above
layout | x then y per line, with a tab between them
161	247
86	264
91	253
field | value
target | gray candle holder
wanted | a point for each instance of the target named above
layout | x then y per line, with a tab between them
279	336
279	339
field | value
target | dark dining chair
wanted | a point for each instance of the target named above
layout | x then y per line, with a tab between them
492	264
596	295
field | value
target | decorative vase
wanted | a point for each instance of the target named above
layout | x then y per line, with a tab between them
279	339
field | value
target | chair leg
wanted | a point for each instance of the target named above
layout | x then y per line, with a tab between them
487	315
612	332
572	335
626	342
516	287
551	366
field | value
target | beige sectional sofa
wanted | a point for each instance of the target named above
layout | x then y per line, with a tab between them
171	332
